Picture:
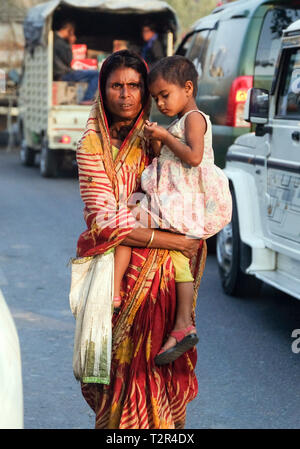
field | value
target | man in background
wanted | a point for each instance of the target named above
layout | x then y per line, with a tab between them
152	51
64	38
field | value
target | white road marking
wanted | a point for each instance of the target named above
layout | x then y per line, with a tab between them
20	246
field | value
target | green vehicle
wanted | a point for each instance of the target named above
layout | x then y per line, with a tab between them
234	49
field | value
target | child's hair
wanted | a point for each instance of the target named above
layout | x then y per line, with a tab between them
176	70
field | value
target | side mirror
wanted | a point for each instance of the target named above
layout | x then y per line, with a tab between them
257	106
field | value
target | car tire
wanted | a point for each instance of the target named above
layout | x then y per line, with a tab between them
27	154
228	248
48	162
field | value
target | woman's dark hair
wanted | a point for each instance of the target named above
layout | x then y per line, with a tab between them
124	58
176	70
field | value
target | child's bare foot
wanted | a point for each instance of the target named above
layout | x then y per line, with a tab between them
117	303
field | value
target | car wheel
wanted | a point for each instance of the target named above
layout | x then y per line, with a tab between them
27	154
234	281
48	163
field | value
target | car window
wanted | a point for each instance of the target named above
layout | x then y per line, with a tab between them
185	44
197	51
227	47
289	94
268	47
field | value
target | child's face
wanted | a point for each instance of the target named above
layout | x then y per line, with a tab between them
171	99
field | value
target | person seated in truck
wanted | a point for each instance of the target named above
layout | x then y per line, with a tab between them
152	50
64	38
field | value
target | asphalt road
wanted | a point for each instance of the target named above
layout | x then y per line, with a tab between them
247	373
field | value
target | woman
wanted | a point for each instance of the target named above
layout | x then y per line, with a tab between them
111	159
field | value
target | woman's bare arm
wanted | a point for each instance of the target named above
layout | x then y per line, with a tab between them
140	237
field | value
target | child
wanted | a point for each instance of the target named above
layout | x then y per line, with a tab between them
185	192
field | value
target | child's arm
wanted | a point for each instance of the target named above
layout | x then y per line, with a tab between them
192	151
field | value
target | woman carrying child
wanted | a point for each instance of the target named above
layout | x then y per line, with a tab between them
111	159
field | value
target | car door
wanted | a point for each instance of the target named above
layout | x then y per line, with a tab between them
283	162
218	66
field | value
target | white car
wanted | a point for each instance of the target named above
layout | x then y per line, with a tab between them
262	242
11	387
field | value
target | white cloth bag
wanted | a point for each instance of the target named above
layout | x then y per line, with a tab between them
91	302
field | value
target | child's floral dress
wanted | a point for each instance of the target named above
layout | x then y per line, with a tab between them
195	201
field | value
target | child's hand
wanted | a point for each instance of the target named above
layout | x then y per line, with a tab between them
153	131
148	124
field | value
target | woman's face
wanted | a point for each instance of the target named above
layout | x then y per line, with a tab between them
124	93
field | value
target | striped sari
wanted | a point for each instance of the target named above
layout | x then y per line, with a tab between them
140	395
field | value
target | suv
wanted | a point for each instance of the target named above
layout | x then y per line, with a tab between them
262	242
235	48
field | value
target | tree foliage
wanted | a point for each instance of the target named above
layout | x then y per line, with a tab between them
189	11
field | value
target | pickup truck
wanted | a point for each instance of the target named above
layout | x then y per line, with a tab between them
51	118
262	242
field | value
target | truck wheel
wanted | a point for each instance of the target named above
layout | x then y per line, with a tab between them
48	163
234	281
27	154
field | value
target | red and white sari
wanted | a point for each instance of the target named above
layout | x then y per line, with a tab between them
140	395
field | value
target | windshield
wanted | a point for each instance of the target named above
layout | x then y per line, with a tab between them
275	21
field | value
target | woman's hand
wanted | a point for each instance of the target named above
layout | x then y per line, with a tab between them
191	247
140	237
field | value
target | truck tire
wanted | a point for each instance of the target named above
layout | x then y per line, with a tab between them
27	154
229	246
48	163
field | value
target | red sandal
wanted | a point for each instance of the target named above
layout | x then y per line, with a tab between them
184	343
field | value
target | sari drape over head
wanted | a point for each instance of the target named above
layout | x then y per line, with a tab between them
140	395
